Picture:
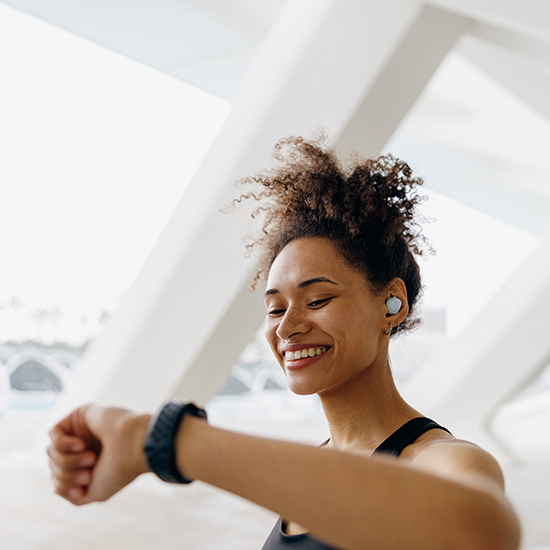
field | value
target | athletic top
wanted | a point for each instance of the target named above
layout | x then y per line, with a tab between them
393	445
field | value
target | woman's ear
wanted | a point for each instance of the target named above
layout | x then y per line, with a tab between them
396	300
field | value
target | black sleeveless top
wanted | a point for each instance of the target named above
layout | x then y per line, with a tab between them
393	445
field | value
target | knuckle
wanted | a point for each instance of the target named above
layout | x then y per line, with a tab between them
65	462
55	433
58	486
54	469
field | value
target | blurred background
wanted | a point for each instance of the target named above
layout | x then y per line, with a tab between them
122	129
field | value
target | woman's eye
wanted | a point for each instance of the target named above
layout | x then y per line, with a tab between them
275	312
317	303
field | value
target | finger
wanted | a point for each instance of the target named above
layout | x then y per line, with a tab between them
71	461
74	422
65	480
75	495
69	478
66	442
75	425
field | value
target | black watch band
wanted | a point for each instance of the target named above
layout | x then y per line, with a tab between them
159	443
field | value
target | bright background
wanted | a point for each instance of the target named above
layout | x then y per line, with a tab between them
97	150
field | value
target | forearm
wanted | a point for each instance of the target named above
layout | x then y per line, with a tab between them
349	500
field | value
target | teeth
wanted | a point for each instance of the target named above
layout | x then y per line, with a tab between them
306	352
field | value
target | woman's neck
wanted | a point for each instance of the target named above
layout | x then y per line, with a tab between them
366	410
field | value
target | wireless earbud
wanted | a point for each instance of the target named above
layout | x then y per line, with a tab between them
393	304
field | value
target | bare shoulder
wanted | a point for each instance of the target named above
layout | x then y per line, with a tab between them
440	453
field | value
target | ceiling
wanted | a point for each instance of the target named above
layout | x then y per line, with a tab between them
211	44
208	43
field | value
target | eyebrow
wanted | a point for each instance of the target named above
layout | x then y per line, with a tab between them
303	284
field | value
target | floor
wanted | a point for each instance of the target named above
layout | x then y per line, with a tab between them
146	515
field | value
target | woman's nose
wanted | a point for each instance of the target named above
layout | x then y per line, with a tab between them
292	323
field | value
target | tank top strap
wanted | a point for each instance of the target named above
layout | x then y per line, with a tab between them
407	434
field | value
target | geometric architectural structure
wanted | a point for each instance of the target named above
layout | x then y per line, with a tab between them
356	67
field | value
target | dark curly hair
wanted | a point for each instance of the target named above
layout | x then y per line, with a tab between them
367	208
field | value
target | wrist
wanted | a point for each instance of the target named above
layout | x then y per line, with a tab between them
133	428
186	441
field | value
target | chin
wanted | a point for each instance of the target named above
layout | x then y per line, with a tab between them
301	389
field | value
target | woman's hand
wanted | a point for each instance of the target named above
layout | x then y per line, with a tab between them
96	451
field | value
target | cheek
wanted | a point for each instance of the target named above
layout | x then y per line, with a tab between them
358	331
271	338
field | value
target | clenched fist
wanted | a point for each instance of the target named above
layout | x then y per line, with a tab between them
96	451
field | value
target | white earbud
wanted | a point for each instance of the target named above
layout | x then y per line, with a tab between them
393	304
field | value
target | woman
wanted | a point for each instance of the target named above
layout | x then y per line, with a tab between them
337	246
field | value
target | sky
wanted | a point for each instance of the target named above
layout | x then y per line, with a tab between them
97	150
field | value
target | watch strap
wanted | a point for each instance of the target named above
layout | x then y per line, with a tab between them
159	442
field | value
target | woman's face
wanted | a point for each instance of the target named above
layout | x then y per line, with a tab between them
324	324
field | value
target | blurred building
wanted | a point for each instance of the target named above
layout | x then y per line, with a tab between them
39	354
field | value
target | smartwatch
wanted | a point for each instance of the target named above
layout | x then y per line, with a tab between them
159	442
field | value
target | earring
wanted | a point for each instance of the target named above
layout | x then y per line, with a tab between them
392	330
393	304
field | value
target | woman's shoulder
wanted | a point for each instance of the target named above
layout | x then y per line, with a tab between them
442	454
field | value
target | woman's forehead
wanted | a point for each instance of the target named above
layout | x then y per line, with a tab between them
309	257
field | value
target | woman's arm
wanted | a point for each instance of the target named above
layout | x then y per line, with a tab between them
348	500
354	501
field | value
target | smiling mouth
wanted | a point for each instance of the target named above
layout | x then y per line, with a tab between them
303	353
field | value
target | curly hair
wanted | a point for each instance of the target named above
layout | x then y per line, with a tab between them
367	208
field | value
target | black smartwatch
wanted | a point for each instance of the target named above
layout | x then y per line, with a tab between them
159	443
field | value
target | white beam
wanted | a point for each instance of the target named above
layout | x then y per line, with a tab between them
180	38
423	48
531	17
523	44
503	348
305	74
520	64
